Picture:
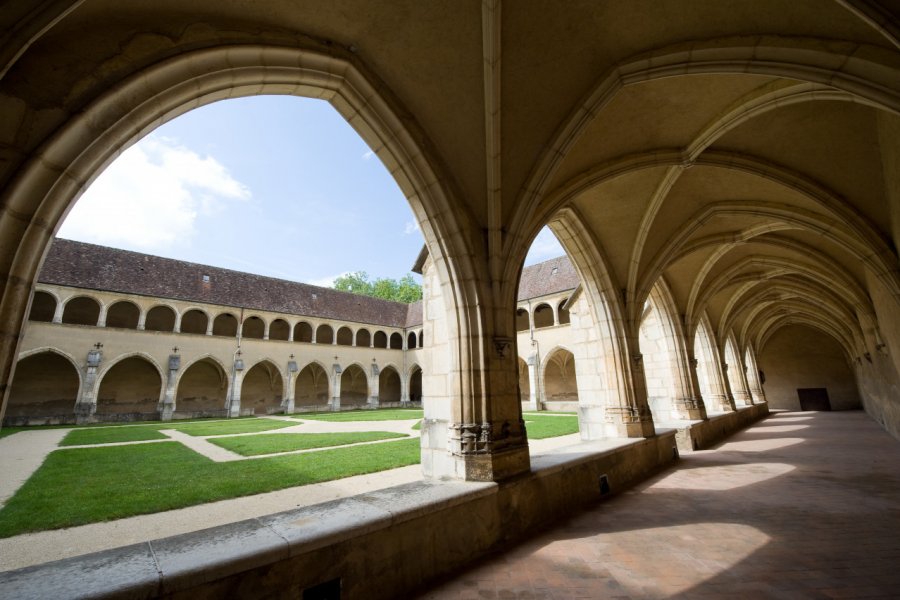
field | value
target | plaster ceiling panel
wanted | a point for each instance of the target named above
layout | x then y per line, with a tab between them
680	275
429	54
661	114
612	212
840	255
555	54
834	143
701	186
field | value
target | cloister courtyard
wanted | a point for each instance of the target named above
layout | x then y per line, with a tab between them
69	487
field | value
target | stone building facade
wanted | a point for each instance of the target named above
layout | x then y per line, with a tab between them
117	335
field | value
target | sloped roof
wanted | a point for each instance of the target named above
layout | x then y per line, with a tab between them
548	277
89	266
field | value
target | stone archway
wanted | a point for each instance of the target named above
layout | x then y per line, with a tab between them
81	311
43	307
389	387
312	387
45	388
354	386
560	384
132	386
202	389
262	388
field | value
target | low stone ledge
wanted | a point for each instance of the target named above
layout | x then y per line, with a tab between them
375	545
705	434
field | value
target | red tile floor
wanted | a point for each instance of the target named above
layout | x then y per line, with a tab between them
801	505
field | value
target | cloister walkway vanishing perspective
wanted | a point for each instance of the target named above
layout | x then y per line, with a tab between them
800	505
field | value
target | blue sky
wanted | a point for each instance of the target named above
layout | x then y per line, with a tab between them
273	185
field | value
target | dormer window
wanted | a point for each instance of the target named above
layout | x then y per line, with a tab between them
206	279
554	270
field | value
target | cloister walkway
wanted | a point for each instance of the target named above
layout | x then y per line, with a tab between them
801	505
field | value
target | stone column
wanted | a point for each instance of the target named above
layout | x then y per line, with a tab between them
177	328
58	313
86	405
336	387
375	382
404	389
168	404
266	330
233	403
292	372
101	320
473	427
209	326
756	388
142	321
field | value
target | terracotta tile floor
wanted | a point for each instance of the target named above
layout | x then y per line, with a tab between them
801	505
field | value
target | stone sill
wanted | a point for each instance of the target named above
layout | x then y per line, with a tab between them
381	544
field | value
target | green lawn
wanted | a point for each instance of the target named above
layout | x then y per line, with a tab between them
226	427
134	433
270	443
387	414
546	426
110	435
86	485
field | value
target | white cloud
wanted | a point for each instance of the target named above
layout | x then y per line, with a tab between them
411	227
150	197
368	155
544	247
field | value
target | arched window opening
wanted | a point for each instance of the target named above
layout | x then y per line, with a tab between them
303	332
345	336
389	387
324	334
279	330
354	387
524	383
253	328
81	311
202	390
411	340
543	316
44	389
421	339
43	307
261	389
225	325
131	387
381	339
560	385
160	318
415	385
194	321
734	374
396	341
563	313
311	388
522	323
123	315
363	338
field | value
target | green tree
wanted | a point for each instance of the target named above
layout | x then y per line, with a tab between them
402	290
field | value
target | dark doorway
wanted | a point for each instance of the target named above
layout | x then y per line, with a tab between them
813	399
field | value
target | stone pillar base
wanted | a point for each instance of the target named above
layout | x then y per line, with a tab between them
84	413
690	409
439	462
495	466
636	429
165	412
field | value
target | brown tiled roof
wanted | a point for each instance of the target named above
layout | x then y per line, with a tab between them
81	265
414	314
548	277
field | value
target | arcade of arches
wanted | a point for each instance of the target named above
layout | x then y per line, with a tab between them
725	177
